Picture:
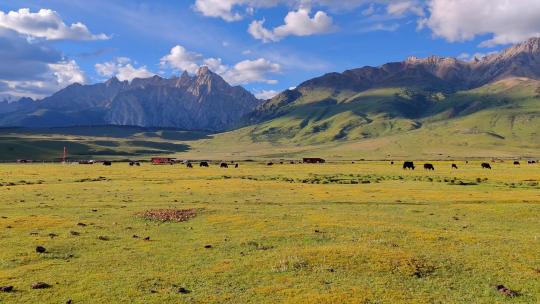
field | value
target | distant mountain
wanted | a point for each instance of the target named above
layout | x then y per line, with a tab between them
201	102
10	104
400	97
439	73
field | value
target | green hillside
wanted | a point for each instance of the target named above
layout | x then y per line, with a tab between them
499	120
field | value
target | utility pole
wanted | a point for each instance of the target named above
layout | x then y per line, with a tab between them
64	155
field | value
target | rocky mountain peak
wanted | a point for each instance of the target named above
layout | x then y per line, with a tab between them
204	70
112	81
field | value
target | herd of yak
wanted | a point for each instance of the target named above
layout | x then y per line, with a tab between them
407	165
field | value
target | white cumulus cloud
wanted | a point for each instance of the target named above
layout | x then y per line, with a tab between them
181	59
249	71
297	23
33	69
45	24
508	21
123	69
266	94
58	76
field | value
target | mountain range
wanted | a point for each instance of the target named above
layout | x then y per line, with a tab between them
200	102
496	98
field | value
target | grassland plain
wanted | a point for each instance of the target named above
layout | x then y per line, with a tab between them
367	232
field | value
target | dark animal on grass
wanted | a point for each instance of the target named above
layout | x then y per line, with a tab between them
391	163
531	162
224	165
204	164
516	163
132	164
189	165
236	166
429	167
7	288
107	163
454	166
40	285
40	249
506	291
270	164
486	166
408	165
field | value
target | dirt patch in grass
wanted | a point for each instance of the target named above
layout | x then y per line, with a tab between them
169	215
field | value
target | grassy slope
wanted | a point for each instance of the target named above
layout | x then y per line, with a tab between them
499	120
406	237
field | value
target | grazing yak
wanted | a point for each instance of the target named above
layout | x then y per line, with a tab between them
270	164
204	164
224	165
516	163
408	165
189	165
429	167
107	163
486	166
531	162
454	166
236	166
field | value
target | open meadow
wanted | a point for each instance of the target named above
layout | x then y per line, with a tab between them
364	232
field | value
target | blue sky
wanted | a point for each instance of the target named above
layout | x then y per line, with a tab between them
265	45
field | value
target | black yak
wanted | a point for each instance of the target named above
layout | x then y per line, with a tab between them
408	165
429	167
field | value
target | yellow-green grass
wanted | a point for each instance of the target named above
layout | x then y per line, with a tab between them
285	233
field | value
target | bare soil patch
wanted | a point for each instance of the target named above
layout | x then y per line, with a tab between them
169	215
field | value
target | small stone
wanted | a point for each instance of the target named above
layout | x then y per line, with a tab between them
40	249
183	290
208	246
135	236
103	238
81	224
147	238
40	285
75	233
